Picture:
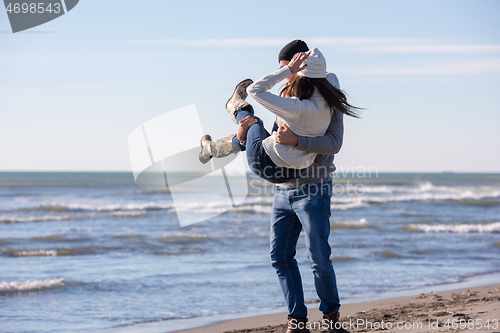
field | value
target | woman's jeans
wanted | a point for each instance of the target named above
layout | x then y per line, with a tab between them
305	208
259	162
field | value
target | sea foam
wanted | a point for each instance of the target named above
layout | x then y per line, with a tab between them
30	285
45	218
456	228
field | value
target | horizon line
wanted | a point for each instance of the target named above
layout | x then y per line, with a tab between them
249	172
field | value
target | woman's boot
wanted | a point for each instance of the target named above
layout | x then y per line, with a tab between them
237	100
218	148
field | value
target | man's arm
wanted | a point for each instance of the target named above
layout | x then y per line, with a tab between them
327	144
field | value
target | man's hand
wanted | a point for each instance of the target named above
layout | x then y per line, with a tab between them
286	137
243	127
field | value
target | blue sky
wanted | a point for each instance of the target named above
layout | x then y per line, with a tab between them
427	72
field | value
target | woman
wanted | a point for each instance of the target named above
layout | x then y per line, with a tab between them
306	110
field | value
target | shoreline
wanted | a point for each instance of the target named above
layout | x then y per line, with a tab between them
442	302
425	312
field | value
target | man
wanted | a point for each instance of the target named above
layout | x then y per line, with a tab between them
304	204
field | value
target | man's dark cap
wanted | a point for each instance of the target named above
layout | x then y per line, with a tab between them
289	50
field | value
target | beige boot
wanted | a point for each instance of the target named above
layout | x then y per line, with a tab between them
297	325
218	148
237	100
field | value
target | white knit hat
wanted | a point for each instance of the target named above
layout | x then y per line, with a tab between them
316	65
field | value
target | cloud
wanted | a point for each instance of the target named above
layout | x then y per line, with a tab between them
472	67
352	41
434	48
349	44
227	42
252	42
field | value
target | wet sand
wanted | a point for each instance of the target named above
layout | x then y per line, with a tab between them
465	310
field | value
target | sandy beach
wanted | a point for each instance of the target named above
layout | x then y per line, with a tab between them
464	310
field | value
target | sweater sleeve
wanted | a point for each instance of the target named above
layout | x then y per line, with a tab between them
286	108
327	144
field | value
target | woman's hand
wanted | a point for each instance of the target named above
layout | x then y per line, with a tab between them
297	62
243	126
286	137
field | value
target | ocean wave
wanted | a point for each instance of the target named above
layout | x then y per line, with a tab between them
387	254
39	252
20	286
360	224
433	251
253	209
183	238
342	258
348	198
190	250
133	213
46	218
29	253
252	206
111	208
58	238
426	191
5	241
339	205
481	203
338	178
128	236
455	228
378	189
84	250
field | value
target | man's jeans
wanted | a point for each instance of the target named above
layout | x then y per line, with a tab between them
307	208
259	162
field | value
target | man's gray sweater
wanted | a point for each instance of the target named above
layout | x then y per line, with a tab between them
326	147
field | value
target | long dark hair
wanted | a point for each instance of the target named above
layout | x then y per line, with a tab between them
303	88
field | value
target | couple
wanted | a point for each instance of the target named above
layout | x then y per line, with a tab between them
298	157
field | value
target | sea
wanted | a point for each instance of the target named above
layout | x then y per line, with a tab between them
92	251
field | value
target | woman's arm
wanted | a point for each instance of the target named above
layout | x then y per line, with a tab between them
286	108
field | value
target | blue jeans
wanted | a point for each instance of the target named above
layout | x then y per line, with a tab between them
305	208
259	162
